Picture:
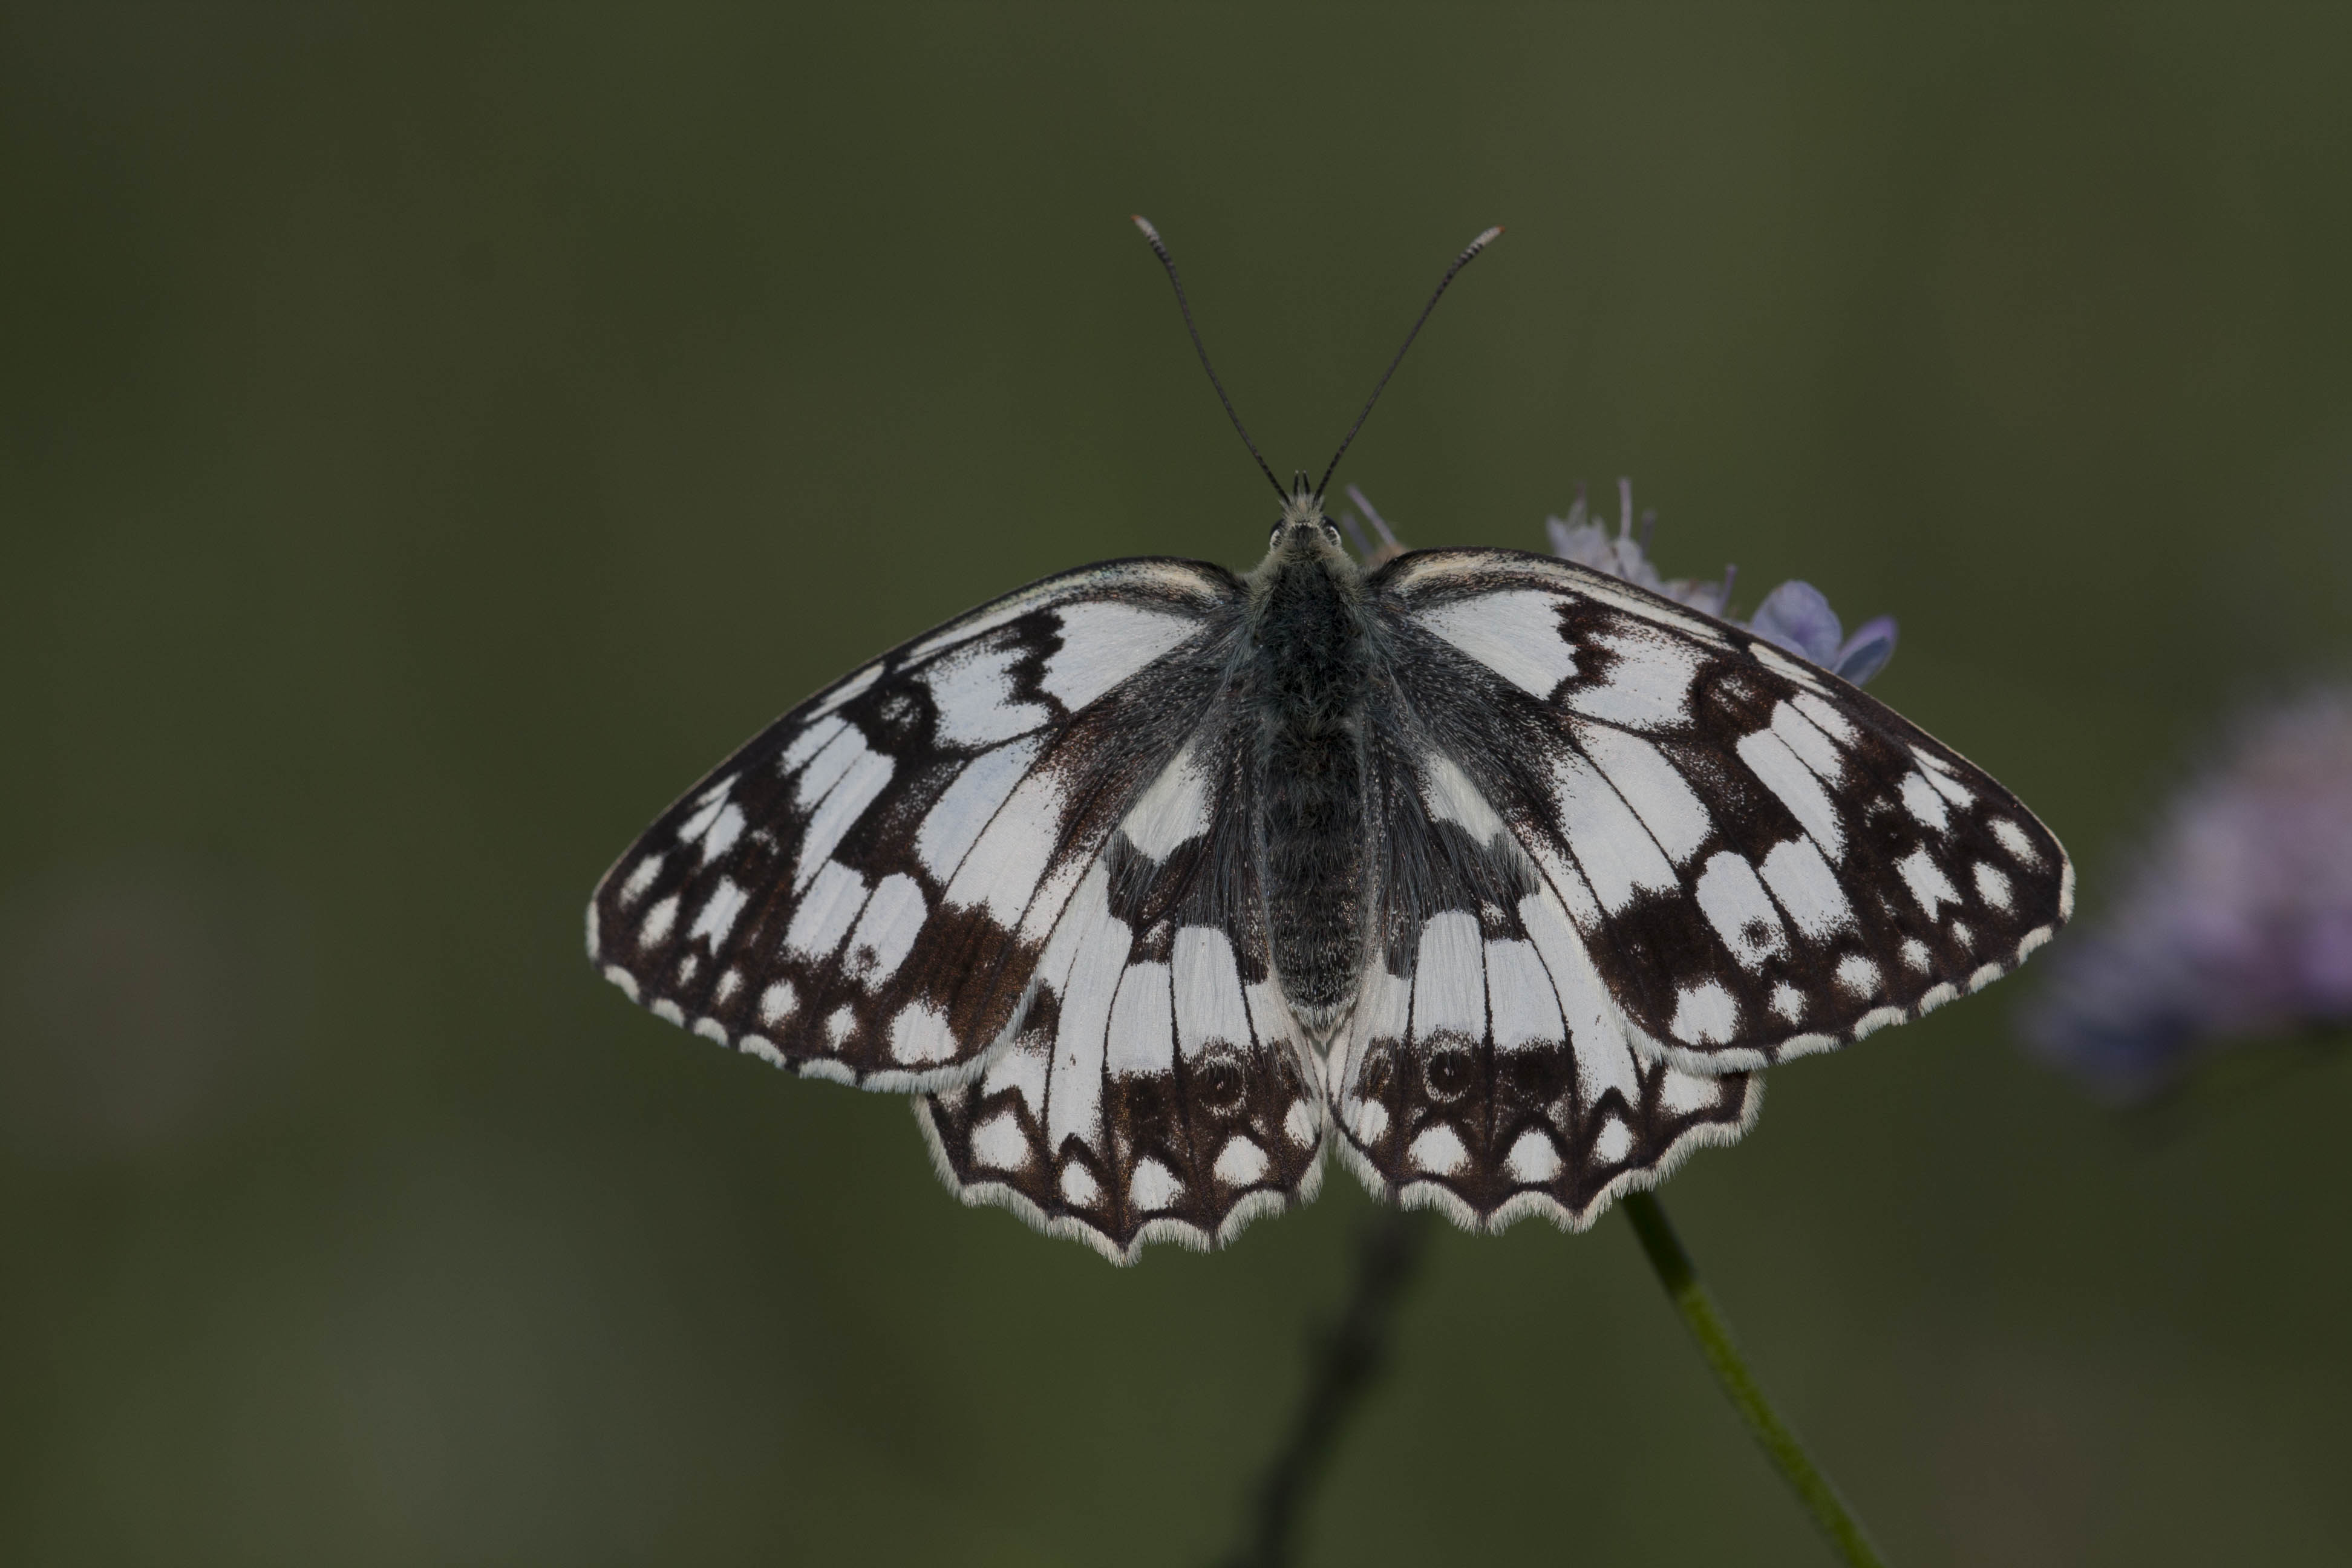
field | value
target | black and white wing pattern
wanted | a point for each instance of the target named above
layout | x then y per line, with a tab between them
866	889
1757	859
1158	1085
1484	1068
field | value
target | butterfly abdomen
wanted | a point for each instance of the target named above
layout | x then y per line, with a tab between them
1308	683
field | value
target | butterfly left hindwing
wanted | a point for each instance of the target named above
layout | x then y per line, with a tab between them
865	890
1158	1086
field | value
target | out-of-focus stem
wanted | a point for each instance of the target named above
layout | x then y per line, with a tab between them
1707	1326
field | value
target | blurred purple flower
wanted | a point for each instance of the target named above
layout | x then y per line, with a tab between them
1795	616
2236	921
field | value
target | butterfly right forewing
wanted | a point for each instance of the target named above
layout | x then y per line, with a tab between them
1762	860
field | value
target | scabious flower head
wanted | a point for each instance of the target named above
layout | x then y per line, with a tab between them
2236	919
1796	615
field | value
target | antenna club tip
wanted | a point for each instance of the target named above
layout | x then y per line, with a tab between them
1139	221
1487	238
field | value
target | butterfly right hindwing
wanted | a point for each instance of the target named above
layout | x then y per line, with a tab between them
1484	1068
865	890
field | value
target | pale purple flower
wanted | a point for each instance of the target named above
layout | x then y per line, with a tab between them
1795	616
2236	919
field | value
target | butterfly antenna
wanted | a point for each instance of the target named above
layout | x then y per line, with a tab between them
1461	261
1160	250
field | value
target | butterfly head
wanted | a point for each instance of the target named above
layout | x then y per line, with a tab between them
1303	532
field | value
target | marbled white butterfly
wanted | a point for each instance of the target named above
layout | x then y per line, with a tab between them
1500	875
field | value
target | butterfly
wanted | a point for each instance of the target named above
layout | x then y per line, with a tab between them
1498	876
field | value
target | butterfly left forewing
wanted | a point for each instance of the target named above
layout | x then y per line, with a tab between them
1762	859
865	890
1158	1087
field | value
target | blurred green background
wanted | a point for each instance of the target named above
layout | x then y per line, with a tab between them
430	438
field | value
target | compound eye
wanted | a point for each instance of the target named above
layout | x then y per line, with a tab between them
1332	533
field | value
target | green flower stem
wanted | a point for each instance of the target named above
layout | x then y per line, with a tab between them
1707	1326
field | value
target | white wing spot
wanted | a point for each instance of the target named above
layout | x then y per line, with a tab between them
1930	888
1812	748
919	1035
1778	768
655	928
887	931
1438	1150
1615	1142
1858	974
1079	1189
1532	1159
1450	796
1142	1034
729	984
641	877
1933	997
1515	635
1992	887
711	1029
1737	906
1789	1002
1680	1093
1154	1186
1925	802
1002	873
718	912
999	1143
865	775
668	1011
1617	853
850	689
1651	785
1649	682
1174	811
1519	996
957	818
827	912
840	1024
972	691
1240	1162
1825	717
1773	659
809	743
2014	839
1103	644
1914	954
1962	934
1449	982
1985	977
624	979
1806	887
1299	1123
777	1003
1372	1121
1208	1005
687	967
1707	1014
754	1046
